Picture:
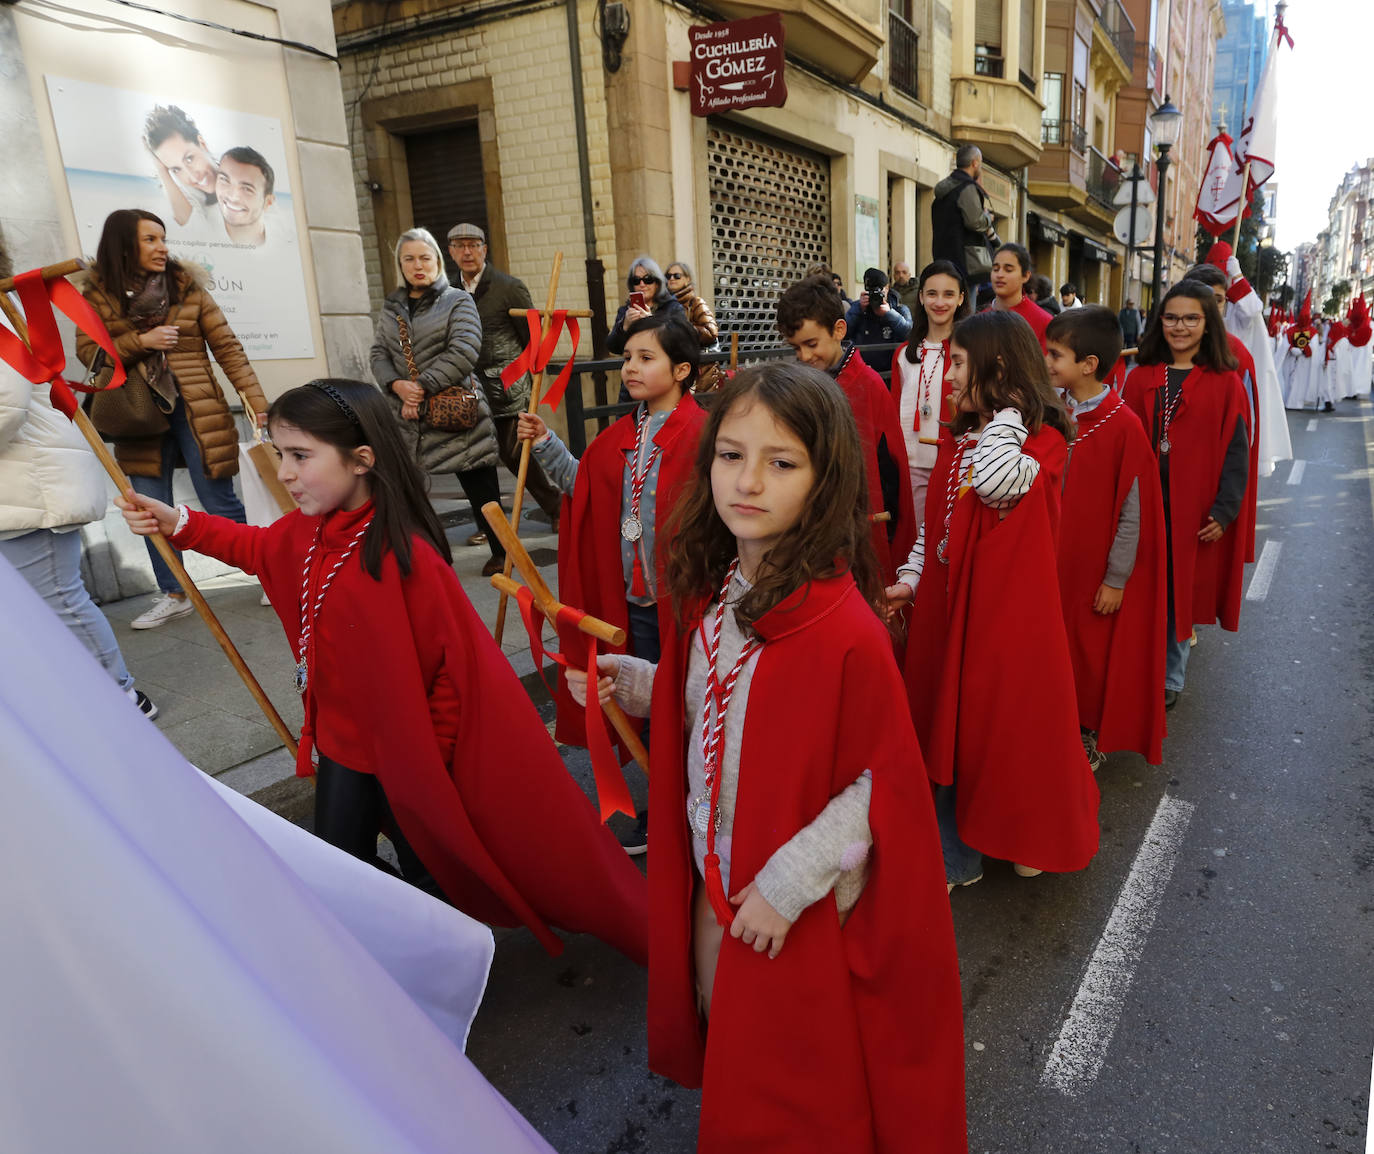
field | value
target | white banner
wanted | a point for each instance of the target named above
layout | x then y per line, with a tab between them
218	180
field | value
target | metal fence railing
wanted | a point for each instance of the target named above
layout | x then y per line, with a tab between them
1104	177
1120	30
902	58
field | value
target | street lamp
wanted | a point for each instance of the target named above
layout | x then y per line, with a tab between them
1165	125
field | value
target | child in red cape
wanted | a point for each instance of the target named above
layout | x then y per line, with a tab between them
1011	269
617	500
988	673
419	723
811	320
795	875
920	371
1111	546
1192	405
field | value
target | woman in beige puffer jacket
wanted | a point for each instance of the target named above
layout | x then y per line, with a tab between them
166	325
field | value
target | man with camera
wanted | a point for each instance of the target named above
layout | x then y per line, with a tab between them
873	319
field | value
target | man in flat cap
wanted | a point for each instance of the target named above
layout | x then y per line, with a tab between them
503	339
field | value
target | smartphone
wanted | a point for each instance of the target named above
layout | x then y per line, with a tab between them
637	301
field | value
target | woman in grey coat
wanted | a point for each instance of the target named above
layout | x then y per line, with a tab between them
445	338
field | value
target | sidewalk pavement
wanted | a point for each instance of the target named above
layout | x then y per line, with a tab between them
208	714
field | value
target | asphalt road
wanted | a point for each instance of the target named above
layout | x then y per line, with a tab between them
1213	965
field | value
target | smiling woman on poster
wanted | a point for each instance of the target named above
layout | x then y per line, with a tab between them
185	165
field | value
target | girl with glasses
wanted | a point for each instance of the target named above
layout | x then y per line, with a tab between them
644	277
1187	395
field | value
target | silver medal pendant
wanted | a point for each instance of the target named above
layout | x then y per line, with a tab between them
925	410
302	675
941	549
698	816
631	528
1164	445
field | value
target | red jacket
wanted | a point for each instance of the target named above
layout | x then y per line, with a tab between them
590	574
1207	577
406	683
880	430
989	677
1033	315
1118	662
1246	372
851	1039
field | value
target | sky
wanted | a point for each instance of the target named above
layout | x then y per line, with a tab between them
1324	125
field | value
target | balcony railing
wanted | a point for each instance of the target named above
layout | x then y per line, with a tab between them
1104	177
903	70
1064	132
985	64
1156	72
1119	28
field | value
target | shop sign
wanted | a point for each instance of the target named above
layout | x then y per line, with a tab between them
737	64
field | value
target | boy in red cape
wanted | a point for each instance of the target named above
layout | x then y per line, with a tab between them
989	678
811	320
1192	406
1111	546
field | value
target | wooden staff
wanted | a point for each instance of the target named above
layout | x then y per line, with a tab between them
536	392
550	606
169	555
51	272
1240	212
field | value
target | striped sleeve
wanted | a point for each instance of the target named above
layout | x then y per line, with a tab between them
1002	474
909	573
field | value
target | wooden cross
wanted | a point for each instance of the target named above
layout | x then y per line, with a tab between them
550	606
169	555
536	392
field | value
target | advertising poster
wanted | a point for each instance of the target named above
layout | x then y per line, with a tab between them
217	178
866	241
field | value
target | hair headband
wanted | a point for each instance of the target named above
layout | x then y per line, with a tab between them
338	398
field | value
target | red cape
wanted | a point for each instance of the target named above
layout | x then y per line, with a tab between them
1249	510
944	409
990	680
1033	315
851	1039
876	414
438	714
1207	578
590	575
1118	662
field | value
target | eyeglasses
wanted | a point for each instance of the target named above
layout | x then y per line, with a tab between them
644	280
1174	320
676	275
465	244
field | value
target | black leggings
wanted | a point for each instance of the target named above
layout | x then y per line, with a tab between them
479	487
351	810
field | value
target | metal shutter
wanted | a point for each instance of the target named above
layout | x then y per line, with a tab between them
1028	38
770	223
987	24
445	170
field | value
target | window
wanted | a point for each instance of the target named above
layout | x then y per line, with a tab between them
987	37
1027	61
1051	120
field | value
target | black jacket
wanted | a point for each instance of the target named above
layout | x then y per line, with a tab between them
959	219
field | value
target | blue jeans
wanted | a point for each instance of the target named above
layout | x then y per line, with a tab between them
1175	652
51	563
644	639
963	863
216	497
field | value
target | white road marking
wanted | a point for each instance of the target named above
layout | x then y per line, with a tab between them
1264	571
1081	1047
1295	474
1312	425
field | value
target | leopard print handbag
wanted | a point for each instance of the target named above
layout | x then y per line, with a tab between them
452	410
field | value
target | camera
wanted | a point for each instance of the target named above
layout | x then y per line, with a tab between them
875	285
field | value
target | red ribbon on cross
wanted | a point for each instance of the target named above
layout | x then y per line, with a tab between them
538	353
43	359
613	795
1282	29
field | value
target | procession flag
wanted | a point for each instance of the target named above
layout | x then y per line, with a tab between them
1257	144
1218	197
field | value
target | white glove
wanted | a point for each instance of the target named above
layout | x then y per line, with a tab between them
1233	272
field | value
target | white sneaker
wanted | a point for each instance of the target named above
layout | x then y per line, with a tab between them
163	610
1023	871
265	600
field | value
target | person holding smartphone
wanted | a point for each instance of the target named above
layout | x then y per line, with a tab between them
648	294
